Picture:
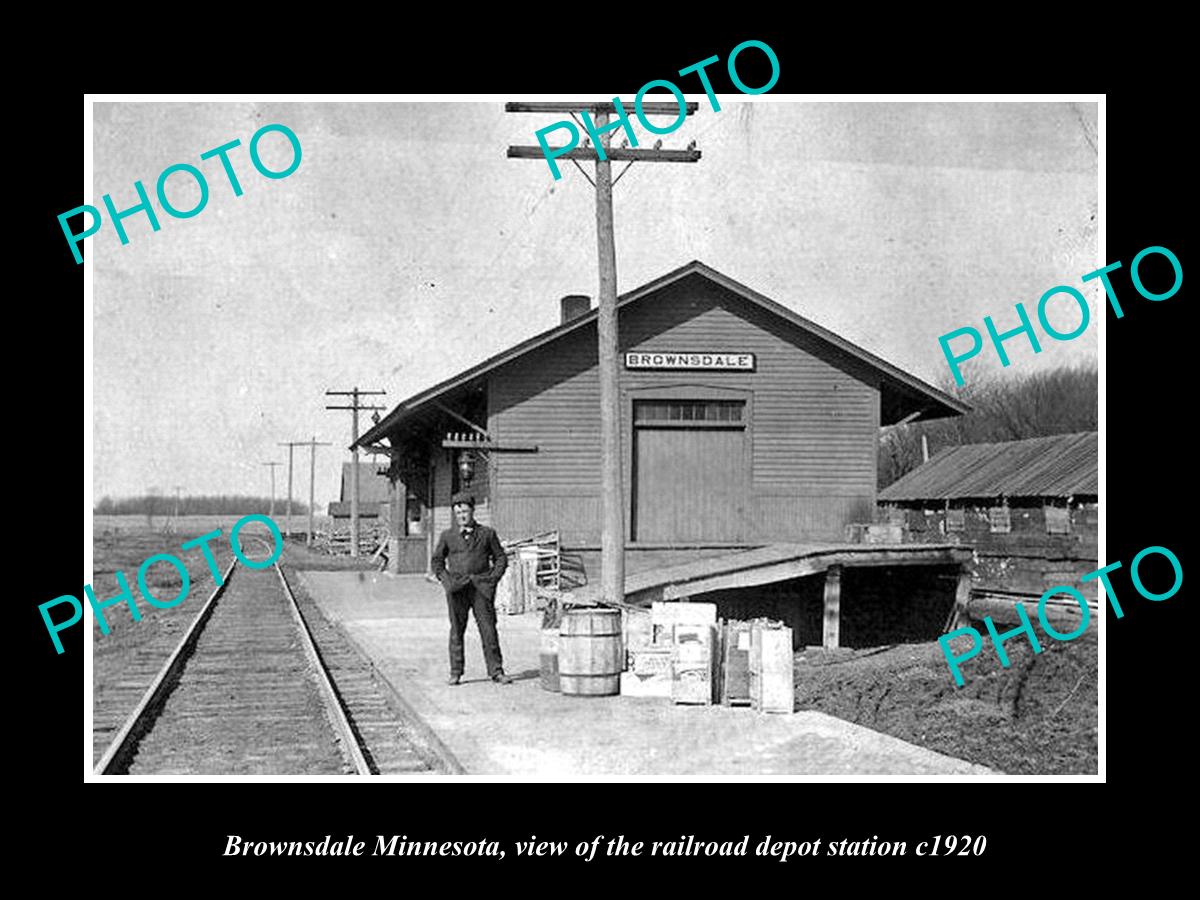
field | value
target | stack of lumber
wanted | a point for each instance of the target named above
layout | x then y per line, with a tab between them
336	541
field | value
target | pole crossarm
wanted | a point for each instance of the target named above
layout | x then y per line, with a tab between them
312	481
355	408
616	154
653	108
613	496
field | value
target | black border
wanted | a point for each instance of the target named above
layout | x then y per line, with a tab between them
1030	826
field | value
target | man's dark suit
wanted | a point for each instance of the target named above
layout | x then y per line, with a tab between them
469	570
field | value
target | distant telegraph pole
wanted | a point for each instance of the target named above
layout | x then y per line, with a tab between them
272	465
355	407
612	557
174	523
312	480
291	445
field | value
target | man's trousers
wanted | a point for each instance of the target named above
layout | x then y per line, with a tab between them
460	603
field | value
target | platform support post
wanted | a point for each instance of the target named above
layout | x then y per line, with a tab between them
833	603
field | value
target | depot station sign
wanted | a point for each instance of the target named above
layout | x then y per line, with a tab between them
690	360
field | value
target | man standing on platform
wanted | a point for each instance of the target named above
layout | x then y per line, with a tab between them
469	562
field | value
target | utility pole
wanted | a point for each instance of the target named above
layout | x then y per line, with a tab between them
291	445
174	523
355	407
312	480
612	541
272	465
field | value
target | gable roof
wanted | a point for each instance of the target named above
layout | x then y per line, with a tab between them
1063	465
924	396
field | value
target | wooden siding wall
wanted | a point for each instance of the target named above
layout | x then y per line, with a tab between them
814	422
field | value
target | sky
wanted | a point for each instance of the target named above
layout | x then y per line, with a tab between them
406	247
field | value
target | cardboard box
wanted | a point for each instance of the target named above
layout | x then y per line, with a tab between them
634	685
649	673
665	615
651	661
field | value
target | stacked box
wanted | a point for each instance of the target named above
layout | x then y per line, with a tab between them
649	673
664	616
692	664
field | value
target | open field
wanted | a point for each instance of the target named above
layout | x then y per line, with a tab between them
1036	717
190	526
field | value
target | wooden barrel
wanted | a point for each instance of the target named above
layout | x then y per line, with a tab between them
590	652
549	659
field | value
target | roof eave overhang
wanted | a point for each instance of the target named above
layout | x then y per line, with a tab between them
938	404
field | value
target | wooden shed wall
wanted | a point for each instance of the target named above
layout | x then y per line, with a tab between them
1025	559
813	430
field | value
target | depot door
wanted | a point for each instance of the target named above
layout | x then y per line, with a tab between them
689	471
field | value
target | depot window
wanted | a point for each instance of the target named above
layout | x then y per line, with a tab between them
702	413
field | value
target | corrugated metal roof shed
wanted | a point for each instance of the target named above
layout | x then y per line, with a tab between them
1058	466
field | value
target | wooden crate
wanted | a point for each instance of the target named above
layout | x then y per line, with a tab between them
772	686
649	673
735	663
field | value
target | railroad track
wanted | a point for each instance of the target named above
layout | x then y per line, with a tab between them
247	690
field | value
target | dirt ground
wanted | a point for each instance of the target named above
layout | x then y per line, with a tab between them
1036	717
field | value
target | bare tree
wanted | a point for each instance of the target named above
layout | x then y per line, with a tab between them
1006	407
153	501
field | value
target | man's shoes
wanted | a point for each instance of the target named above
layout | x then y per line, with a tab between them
501	678
454	679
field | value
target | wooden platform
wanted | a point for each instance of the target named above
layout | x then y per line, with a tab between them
774	562
781	562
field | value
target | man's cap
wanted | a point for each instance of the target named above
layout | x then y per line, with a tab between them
463	497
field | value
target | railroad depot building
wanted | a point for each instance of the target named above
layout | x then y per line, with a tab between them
744	424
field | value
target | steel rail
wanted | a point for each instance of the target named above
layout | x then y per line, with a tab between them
333	701
140	722
137	724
